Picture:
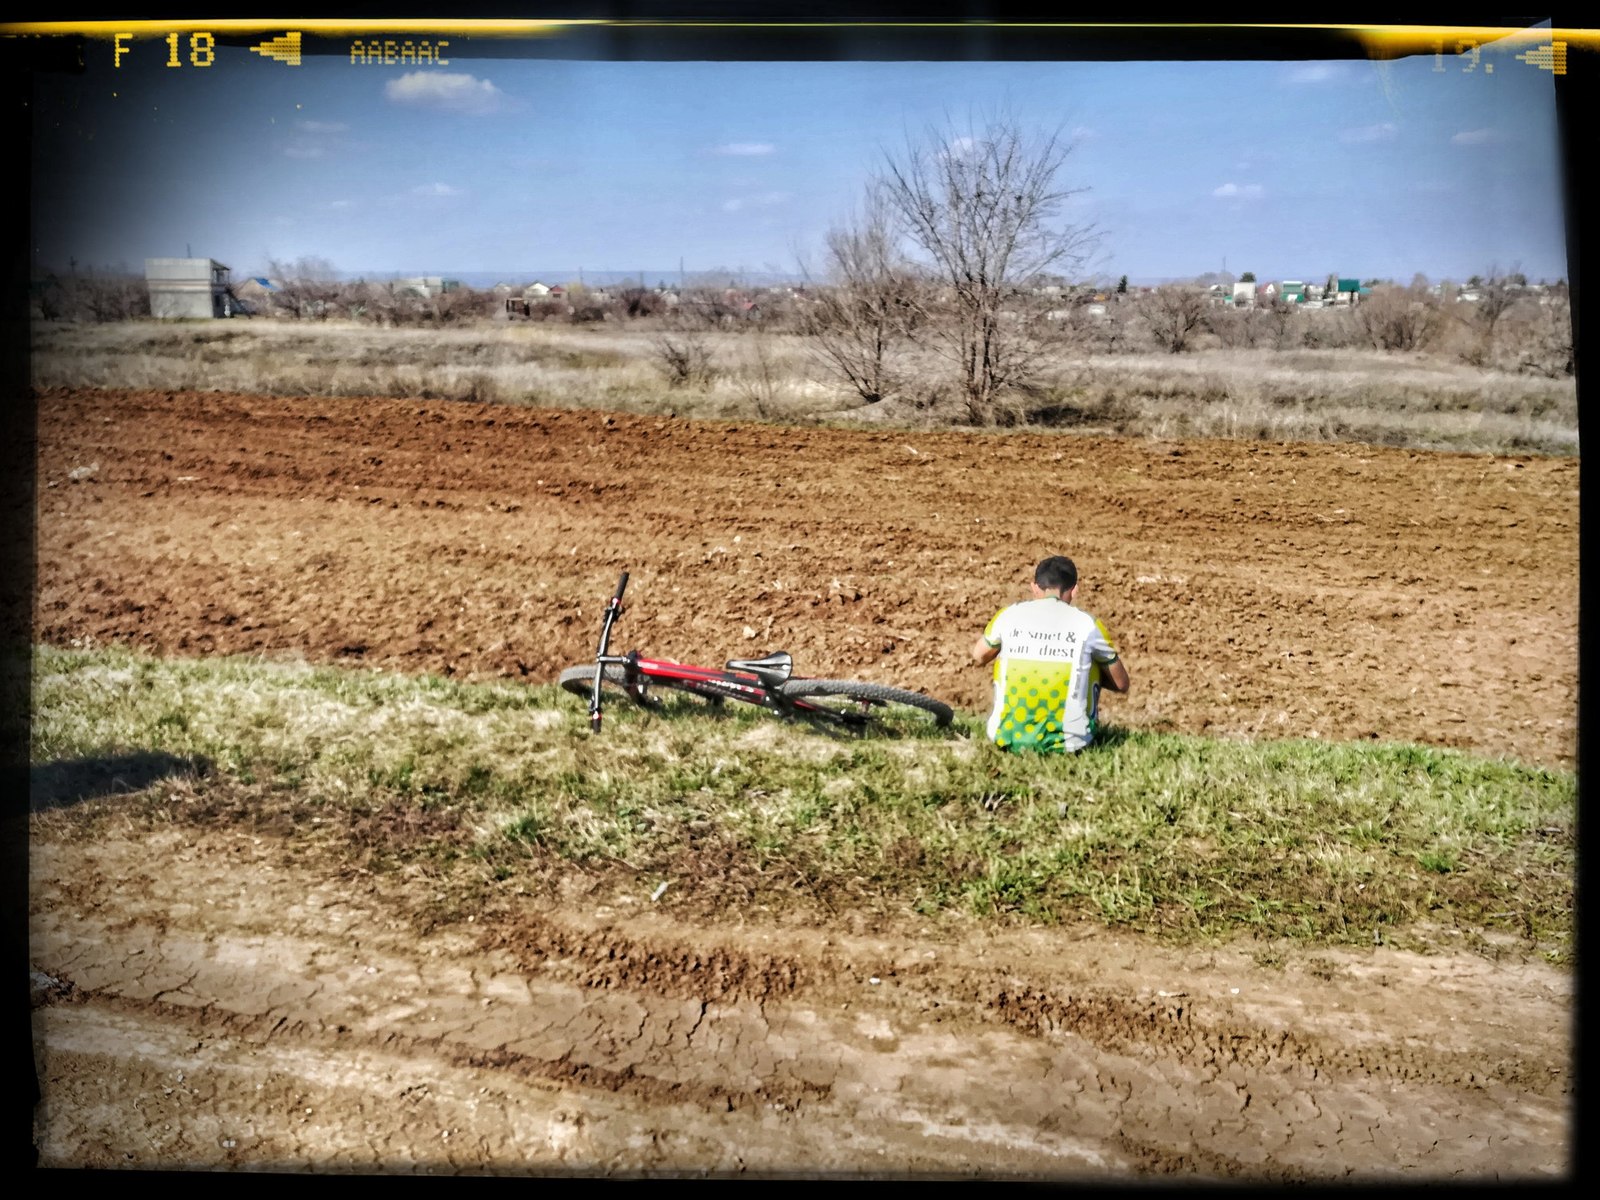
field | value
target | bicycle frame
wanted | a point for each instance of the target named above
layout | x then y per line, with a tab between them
722	682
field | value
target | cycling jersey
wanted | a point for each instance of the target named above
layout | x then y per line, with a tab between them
1046	678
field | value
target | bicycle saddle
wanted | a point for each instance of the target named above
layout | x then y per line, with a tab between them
772	670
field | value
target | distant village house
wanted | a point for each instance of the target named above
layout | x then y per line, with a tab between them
188	289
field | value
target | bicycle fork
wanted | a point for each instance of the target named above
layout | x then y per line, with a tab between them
601	658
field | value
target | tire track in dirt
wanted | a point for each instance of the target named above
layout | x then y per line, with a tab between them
1156	1029
124	1091
214	1016
613	960
1117	1101
1170	1030
234	947
608	957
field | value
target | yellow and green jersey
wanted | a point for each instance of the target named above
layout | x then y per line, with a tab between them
1047	676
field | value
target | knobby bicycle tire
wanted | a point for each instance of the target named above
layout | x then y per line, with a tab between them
874	694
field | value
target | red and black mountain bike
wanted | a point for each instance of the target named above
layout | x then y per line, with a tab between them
768	682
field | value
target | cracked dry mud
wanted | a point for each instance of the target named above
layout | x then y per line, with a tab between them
208	999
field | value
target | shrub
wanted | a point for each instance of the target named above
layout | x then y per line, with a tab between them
1172	314
684	356
1398	318
1539	341
1236	327
642	302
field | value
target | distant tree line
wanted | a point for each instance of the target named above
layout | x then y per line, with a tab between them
931	297
91	296
1496	320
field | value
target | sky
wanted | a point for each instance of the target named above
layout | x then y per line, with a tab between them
493	167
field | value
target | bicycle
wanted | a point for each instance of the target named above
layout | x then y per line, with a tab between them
768	682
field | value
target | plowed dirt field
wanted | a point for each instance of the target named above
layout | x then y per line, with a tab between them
203	1000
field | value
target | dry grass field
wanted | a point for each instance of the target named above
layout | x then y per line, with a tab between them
1345	395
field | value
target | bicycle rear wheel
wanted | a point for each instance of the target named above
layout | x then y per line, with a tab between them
870	705
579	681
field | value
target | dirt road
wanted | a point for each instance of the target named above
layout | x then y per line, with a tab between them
214	1000
203	1002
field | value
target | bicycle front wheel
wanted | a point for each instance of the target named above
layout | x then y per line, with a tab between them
854	703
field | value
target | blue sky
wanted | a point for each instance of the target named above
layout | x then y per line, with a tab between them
501	167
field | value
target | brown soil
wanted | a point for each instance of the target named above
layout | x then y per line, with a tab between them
210	1000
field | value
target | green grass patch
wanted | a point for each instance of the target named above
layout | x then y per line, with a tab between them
1185	837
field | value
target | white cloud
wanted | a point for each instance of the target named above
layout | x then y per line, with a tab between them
314	139
1083	133
764	200
1317	72
1238	191
1474	137
341	204
1369	133
435	189
745	149
960	147
450	92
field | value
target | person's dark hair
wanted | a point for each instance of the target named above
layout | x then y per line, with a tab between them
1056	574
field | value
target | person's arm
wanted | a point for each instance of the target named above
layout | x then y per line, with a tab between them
982	651
989	642
1114	676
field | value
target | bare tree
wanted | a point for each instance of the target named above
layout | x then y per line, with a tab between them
459	305
869	306
1278	315
1112	333
641	302
983	208
307	287
108	297
1070	327
49	299
382	302
1544	344
1496	295
1173	312
1236	327
706	308
1395	318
